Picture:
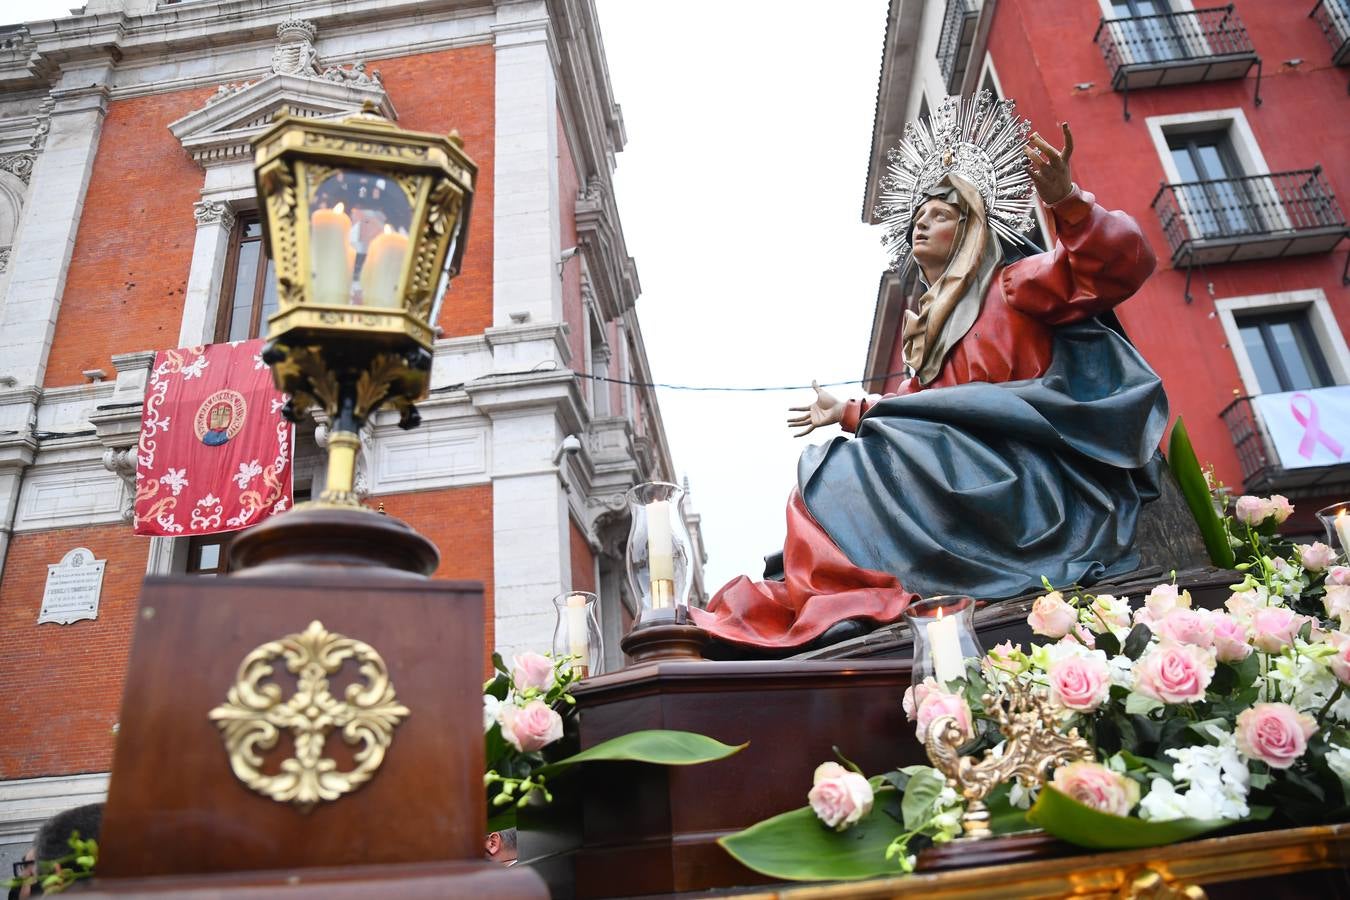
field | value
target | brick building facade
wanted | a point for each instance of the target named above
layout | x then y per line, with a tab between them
128	225
1222	131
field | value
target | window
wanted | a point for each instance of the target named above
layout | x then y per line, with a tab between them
1153	36
1284	351
249	293
1216	194
208	554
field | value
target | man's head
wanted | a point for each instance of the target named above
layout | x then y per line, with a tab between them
501	846
936	226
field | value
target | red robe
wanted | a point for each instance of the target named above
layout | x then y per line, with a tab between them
1098	261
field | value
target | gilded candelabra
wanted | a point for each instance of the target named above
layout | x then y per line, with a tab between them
1033	745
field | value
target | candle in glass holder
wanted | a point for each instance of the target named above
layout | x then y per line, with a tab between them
330	259
1343	532
383	266
578	646
660	553
944	644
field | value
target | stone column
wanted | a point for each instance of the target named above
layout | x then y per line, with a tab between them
526	227
41	254
201	302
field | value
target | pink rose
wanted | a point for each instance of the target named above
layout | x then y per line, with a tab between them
530	727
1174	673
1244	604
530	670
1079	683
1274	628
1230	638
1280	508
1252	510
1340	663
839	797
1316	556
1339	575
1337	600
1005	656
915	694
1052	616
936	704
1187	626
1160	601
1275	733
1094	785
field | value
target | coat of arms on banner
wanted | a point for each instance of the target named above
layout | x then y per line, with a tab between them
214	452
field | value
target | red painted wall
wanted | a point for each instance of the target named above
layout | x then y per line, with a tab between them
61	685
1303	122
129	269
583	561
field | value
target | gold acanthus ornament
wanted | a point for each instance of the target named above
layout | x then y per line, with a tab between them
1033	745
254	715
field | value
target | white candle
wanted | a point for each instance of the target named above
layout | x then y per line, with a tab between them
944	645
383	266
578	643
660	551
330	259
1343	531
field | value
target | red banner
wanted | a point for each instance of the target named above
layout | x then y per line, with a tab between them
214	453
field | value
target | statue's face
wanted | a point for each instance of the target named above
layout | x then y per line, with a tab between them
935	227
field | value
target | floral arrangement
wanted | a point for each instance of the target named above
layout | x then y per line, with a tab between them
53	876
525	708
1197	719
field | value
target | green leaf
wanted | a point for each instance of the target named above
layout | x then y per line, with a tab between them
796	846
502	820
498	687
1181	458
1004	818
1139	705
1071	821
1137	641
1108	643
922	790
499	665
664	748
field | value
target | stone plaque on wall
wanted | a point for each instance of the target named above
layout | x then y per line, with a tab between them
73	588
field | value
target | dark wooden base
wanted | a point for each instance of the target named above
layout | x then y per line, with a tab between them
627	829
417	881
315	538
648	643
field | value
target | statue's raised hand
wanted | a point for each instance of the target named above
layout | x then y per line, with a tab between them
1050	167
826	410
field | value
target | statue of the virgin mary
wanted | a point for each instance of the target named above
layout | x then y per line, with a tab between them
1024	442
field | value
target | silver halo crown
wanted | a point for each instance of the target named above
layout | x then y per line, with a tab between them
978	138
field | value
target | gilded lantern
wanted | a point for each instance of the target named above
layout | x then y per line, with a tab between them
360	218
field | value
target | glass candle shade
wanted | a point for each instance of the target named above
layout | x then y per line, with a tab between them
944	637
358	239
659	553
1336	520
577	633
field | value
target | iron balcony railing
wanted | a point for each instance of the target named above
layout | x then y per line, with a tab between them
1333	16
1176	48
1255	217
955	40
1262	469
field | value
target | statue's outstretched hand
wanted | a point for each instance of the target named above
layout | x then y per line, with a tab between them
1050	167
826	410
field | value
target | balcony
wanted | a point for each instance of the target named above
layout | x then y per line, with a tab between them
1177	48
955	41
1333	16
1255	217
1282	447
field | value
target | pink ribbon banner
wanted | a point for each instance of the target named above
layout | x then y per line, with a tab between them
1308	428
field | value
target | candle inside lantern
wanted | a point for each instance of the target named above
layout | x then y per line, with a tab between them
383	266
660	553
1343	531
331	259
578	644
944	644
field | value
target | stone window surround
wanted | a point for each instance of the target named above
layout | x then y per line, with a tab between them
1325	328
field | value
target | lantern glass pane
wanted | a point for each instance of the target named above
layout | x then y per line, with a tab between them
359	240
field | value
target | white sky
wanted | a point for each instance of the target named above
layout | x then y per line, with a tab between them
740	191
